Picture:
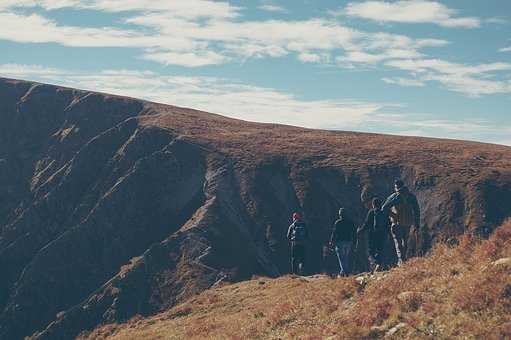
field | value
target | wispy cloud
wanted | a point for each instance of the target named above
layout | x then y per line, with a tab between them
272	8
189	39
505	49
404	81
472	80
197	33
189	9
410	11
211	94
420	125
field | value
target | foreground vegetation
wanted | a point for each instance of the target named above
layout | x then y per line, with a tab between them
458	291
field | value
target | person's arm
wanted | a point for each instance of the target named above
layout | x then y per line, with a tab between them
391	201
289	232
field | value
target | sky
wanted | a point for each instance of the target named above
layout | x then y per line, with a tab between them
415	67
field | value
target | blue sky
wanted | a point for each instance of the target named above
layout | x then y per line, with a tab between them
417	67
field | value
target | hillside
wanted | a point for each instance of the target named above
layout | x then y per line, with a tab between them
112	207
457	292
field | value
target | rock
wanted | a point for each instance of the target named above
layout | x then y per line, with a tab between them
377	331
395	329
361	280
503	262
406	296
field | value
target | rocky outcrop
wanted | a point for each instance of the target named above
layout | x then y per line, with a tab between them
112	207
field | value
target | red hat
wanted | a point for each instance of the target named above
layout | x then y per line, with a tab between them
296	216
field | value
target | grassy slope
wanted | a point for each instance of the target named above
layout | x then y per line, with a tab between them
455	292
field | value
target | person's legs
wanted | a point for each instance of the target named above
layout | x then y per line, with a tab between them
398	242
346	256
379	241
300	259
343	250
339	256
297	258
293	259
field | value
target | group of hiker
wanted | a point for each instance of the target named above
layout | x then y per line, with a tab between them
397	215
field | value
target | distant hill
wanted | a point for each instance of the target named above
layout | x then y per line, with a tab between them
112	207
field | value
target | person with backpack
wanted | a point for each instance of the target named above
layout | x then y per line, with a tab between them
403	209
298	235
377	225
343	238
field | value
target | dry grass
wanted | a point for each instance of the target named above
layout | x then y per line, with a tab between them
455	292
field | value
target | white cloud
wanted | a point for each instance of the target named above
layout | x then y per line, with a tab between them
272	8
308	57
195	33
190	9
17	70
505	49
188	59
171	32
410	11
497	20
409	82
471	80
216	95
421	125
37	29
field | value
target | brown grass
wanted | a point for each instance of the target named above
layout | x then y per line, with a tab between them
455	292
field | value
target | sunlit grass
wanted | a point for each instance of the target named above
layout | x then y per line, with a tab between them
455	292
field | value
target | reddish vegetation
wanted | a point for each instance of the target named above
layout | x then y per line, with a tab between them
454	292
112	207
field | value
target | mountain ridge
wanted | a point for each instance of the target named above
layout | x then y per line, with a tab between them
113	206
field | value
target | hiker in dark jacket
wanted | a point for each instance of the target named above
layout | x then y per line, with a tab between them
297	234
403	209
376	225
344	236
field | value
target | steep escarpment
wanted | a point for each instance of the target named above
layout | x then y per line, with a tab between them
111	207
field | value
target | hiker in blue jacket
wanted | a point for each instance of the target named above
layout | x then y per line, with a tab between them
377	226
298	235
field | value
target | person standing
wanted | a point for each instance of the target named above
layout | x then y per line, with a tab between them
403	209
343	237
376	225
297	235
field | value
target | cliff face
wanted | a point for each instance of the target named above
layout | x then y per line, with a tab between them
111	207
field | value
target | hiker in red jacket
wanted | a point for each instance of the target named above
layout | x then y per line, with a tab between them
297	234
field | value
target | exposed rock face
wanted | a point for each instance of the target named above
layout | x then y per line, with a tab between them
111	207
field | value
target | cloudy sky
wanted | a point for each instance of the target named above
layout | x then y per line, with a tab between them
418	67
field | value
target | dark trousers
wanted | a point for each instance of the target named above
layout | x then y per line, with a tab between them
376	246
297	257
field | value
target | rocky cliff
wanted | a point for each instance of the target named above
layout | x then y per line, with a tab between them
111	206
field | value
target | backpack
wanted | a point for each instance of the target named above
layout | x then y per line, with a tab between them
299	232
380	220
404	210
